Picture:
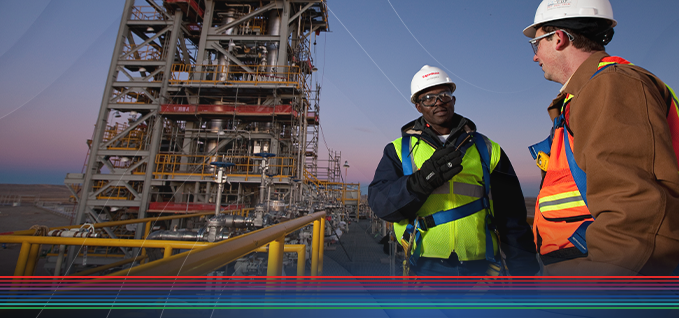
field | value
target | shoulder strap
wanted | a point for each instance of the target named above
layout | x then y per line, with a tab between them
406	156
578	174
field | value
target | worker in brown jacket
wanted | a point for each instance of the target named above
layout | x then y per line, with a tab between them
609	201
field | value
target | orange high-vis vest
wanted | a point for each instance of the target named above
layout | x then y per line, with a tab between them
560	208
561	211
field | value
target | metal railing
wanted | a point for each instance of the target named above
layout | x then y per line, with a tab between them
231	74
145	53
132	141
147	13
172	165
113	192
196	263
204	260
133	97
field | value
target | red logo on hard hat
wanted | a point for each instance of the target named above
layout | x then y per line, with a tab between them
430	74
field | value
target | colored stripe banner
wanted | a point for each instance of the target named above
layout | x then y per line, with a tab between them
212	296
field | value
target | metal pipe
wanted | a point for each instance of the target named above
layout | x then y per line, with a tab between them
23	258
119	223
32	259
220	189
95	242
224	62
274	28
314	247
275	263
147	230
168	252
262	181
301	259
206	259
174	235
321	247
60	260
300	249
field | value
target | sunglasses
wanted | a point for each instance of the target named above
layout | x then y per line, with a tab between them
535	42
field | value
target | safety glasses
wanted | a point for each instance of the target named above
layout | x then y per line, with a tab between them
535	42
430	99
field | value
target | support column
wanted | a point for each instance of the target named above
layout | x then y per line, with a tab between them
102	120
158	124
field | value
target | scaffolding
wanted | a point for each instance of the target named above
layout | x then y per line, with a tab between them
193	82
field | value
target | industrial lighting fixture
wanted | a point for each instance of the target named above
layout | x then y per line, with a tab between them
149	29
346	164
314	69
124	159
117	115
141	69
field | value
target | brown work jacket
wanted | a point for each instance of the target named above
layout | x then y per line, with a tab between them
623	143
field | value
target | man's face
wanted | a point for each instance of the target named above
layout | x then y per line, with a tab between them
440	113
546	56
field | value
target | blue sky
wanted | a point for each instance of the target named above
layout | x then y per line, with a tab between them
54	56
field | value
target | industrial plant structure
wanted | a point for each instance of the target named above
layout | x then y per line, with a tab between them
209	105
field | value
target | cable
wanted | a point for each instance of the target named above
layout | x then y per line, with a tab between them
366	53
439	63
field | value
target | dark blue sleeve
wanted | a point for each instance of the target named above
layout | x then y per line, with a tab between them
510	218
388	195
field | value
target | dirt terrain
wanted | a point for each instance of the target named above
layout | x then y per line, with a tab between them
16	218
44	192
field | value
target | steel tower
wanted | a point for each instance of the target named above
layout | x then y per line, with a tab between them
193	82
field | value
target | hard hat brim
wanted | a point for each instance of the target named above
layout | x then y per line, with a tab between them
532	29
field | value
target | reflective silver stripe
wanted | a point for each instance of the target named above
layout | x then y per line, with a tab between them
444	189
560	201
470	190
411	155
489	145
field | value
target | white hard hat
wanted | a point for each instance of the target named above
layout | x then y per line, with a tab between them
551	10
428	76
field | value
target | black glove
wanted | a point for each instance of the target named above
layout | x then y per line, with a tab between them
442	166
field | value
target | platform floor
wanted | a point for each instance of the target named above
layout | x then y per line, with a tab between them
359	253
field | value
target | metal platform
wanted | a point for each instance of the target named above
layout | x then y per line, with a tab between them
362	254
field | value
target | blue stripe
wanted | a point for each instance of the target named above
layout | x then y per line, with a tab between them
405	153
578	174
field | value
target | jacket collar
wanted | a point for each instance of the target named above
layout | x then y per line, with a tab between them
418	128
577	81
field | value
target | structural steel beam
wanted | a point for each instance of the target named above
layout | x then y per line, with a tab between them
231	57
259	11
292	18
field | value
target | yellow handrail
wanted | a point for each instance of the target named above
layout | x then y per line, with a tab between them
173	165
300	249
204	260
231	74
29	244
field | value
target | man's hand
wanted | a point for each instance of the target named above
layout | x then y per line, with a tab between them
443	165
